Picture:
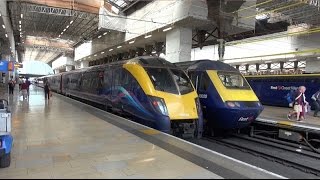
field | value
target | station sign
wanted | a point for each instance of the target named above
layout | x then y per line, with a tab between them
18	65
4	66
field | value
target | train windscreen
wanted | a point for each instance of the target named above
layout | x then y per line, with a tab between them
233	80
170	80
182	81
162	80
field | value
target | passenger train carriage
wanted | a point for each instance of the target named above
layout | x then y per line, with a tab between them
151	90
227	100
273	89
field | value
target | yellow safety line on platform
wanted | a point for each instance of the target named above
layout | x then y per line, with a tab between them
286	123
150	131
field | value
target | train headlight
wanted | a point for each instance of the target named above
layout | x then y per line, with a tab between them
159	105
233	104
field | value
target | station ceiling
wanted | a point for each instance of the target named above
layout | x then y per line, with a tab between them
45	29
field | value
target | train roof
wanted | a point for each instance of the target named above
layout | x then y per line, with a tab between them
206	64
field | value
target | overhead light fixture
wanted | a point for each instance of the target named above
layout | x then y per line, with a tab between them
291	60
110	49
268	61
318	57
102	52
61	32
99	36
119	47
0	14
20	29
21	16
64	30
19	22
67	26
167	29
19	26
3	26
95	55
131	42
20	35
71	22
59	35
147	36
89	57
105	33
153	52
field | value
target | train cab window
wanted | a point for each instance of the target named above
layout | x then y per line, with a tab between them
233	80
162	80
204	82
182	80
193	78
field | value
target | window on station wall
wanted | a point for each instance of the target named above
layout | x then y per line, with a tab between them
288	65
275	66
263	66
252	67
301	64
242	68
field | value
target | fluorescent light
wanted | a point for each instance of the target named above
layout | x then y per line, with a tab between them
67	26
21	16
167	29
0	14
20	35
19	26
110	49
59	35
105	33
71	22
318	57
95	55
64	30
89	57
10	47
292	60
99	36
153	52
147	36
20	29
19	22
61	32
3	26
268	61
131	42
119	47
102	52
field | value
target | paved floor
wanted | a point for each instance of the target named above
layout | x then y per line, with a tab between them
280	113
53	139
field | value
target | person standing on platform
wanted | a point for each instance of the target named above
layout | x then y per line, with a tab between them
28	84
316	102
11	86
300	103
47	90
24	90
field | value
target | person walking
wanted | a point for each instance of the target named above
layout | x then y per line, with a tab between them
24	90
47	90
11	85
316	102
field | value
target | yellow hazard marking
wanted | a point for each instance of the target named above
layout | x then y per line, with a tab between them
150	131
286	123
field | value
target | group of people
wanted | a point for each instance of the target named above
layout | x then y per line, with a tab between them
23	87
297	100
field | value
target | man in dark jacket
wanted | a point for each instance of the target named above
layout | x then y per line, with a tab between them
316	102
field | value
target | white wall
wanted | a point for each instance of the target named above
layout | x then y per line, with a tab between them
61	61
261	47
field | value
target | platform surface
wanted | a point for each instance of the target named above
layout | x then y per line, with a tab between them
279	114
57	139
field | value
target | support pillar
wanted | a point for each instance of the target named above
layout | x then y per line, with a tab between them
56	71
84	64
178	45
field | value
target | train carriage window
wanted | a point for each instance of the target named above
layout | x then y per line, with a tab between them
233	80
204	82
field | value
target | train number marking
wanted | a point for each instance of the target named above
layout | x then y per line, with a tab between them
203	96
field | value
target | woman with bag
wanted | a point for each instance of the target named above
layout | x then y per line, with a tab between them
299	104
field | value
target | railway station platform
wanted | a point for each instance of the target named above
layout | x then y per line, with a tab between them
277	116
64	138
